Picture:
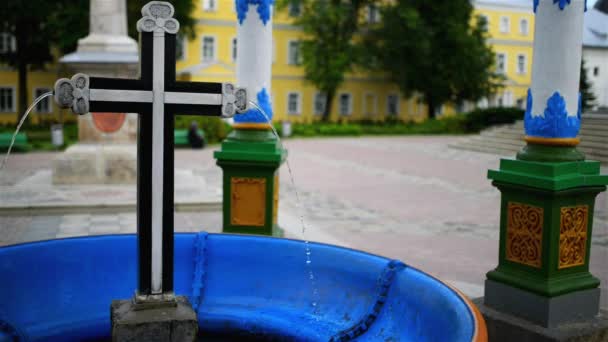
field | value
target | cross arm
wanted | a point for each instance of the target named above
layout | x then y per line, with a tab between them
83	94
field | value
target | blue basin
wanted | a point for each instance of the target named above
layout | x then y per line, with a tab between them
61	290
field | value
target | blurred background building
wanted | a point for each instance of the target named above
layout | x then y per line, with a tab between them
212	55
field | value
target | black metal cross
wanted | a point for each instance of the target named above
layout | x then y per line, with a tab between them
157	97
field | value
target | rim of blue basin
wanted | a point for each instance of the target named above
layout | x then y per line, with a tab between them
61	290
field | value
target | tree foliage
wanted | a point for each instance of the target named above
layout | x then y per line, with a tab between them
586	89
44	29
328	49
435	49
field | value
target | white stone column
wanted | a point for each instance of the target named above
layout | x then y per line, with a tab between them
557	54
254	54
108	28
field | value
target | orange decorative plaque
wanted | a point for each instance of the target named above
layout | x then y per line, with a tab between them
109	122
525	234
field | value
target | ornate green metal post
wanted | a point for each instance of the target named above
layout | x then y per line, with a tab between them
250	158
549	191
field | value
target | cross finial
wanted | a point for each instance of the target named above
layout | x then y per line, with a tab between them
158	17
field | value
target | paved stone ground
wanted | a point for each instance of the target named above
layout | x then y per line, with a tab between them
409	198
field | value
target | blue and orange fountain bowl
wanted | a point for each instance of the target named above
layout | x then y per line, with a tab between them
253	288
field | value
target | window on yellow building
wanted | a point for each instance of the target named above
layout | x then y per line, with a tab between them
210	5
293	104
373	14
7	100
43	106
294	10
505	25
233	49
370	103
521	64
485	22
392	105
346	104
506	100
208	48
523	27
7	43
319	103
521	103
180	47
293	55
501	63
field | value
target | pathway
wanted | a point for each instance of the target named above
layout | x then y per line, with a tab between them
409	198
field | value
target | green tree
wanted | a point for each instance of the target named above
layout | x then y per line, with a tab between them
328	49
586	89
43	29
435	49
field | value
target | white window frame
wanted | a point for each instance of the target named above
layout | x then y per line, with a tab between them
48	99
504	24
525	64
507	98
350	104
505	63
522	31
388	111
314	103
208	8
234	54
520	103
214	57
13	108
299	54
374	104
298	103
9	40
274	51
372	8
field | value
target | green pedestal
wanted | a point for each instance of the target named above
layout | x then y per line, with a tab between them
250	159
546	221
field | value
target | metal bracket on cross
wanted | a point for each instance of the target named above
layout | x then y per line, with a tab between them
157	97
73	93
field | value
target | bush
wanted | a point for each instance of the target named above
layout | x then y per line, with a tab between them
480	119
215	129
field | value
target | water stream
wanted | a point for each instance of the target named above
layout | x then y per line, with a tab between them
27	112
300	210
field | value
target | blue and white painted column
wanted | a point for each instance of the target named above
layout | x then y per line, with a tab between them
254	56
554	104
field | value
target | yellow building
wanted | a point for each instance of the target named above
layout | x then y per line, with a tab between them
211	57
511	29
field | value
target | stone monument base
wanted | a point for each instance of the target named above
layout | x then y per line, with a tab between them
96	164
548	312
162	323
503	327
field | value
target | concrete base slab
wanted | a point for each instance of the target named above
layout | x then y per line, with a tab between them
545	311
503	327
37	195
165	323
96	164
